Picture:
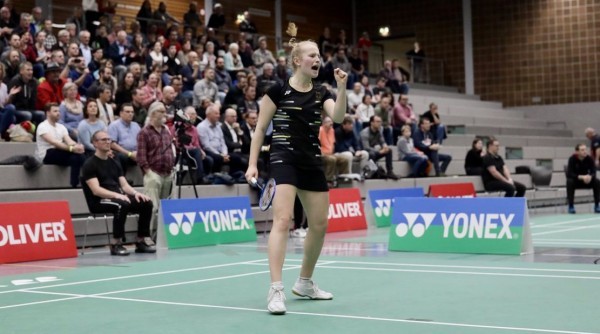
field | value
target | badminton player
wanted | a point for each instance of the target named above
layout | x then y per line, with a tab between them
296	108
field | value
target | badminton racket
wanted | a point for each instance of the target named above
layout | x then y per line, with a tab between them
267	193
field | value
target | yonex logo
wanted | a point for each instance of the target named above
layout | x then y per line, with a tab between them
384	207
287	92
180	225
417	228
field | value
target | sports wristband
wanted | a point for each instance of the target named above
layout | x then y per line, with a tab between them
70	148
129	154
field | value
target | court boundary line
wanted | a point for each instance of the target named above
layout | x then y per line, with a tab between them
341	316
134	276
535	225
460	267
566	230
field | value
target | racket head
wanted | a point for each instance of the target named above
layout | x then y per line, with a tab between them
267	194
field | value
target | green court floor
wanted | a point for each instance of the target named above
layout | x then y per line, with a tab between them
222	289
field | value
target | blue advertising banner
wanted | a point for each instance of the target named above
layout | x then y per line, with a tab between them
379	203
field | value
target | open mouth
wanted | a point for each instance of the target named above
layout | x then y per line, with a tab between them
315	67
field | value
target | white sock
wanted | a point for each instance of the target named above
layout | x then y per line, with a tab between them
304	280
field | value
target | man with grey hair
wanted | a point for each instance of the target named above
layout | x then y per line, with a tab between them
155	156
266	80
84	46
206	88
262	56
213	141
37	22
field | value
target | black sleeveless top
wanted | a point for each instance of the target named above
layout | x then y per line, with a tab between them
296	125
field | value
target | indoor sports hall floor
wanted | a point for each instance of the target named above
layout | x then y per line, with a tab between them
222	289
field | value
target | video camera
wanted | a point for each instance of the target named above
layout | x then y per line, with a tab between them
181	122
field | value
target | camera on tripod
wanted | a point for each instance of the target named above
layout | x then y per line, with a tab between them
180	123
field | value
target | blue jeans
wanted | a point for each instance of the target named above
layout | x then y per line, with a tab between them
418	164
439	132
7	117
436	158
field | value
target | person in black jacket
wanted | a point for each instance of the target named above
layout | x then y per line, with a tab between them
496	176
425	142
24	100
581	173
474	159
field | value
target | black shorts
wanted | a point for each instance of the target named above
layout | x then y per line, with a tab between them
311	178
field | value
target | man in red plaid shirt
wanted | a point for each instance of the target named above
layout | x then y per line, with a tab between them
156	157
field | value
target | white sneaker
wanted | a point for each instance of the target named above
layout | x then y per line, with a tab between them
276	300
311	290
298	233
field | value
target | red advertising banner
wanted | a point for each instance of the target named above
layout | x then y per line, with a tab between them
346	210
36	231
452	190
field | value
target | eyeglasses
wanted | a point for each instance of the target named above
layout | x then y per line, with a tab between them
104	140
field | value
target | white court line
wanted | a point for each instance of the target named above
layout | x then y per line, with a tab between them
565	230
571	255
138	275
535	225
41	302
459	267
341	316
562	239
460	272
566	243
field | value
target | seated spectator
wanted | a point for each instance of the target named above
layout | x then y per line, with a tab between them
80	75
594	138
396	83
232	60
266	80
474	158
125	90
496	176
190	73
236	93
364	111
438	129
25	98
403	115
139	111
223	78
341	61
380	87
348	145
123	133
333	164
206	88
152	89
384	111
55	147
373	142
105	78
581	174
50	90
281	70
354	97
424	141
248	102
71	109
262	56
406	152
112	193
88	126
213	141
234	137
105	108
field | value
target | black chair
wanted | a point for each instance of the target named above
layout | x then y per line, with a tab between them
541	177
87	192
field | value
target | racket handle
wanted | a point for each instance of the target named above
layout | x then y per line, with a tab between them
253	181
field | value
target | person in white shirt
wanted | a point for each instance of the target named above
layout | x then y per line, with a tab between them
55	147
364	111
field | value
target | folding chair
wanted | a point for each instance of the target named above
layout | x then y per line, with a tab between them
87	192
